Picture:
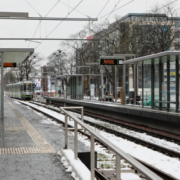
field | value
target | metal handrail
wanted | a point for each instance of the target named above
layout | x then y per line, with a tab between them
119	153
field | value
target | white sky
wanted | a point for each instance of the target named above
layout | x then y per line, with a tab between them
21	29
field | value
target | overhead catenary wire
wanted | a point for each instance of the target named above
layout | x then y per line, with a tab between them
33	8
61	22
113	9
75	9
103	8
117	9
44	16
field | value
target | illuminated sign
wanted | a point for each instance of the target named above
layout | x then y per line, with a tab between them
9	64
111	61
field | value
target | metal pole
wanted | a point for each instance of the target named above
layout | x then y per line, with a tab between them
92	157
90	83
66	132
168	83
2	87
118	167
177	83
124	83
75	141
115	79
142	82
82	114
101	83
135	85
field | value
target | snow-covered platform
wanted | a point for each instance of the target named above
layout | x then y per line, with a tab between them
29	143
163	120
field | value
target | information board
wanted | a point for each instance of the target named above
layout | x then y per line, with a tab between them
9	64
111	61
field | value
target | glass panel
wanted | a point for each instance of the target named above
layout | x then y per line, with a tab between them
139	83
179	82
156	85
164	85
172	85
147	84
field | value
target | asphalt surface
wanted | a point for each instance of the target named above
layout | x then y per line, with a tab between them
30	165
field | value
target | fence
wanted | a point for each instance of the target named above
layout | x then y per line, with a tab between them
94	135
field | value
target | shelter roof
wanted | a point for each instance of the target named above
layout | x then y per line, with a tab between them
16	55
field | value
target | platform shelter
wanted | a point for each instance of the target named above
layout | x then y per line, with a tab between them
72	85
11	57
155	81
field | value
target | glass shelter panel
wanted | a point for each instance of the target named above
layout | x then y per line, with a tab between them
164	82
172	83
156	83
139	80
147	83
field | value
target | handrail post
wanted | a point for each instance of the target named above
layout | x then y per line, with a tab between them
82	114
66	132
118	166
75	141
92	157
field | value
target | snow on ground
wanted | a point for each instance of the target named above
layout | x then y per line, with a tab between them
165	163
143	136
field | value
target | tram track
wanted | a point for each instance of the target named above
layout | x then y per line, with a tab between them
158	148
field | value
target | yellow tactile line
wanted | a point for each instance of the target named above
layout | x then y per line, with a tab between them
15	128
42	146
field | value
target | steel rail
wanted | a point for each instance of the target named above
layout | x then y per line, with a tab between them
160	173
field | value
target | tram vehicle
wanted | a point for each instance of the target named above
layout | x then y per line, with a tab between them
20	90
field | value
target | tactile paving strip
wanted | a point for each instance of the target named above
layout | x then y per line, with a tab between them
42	146
15	128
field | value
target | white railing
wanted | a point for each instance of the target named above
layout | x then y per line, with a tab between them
95	135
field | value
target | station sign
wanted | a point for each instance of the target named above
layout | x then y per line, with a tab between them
111	61
9	64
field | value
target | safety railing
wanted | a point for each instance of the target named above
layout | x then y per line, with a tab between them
120	154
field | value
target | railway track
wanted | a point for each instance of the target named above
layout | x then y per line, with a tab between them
136	140
132	126
131	138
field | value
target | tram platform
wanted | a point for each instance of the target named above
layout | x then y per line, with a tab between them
158	119
28	145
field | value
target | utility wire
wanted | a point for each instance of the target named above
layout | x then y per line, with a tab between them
103	8
45	16
117	9
113	10
33	8
167	4
75	9
61	22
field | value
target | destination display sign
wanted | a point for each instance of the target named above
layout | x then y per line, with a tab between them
111	61
8	64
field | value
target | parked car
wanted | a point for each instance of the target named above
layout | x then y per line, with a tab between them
107	98
138	100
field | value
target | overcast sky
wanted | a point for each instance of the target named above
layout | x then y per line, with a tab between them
21	29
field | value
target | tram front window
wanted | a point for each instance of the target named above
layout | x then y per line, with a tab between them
28	87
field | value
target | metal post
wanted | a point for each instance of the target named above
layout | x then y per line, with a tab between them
115	84
118	167
168	83
75	141
124	83
102	83
82	114
66	132
142	85
160	84
135	85
92	157
2	87
152	83
90	82
177	83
